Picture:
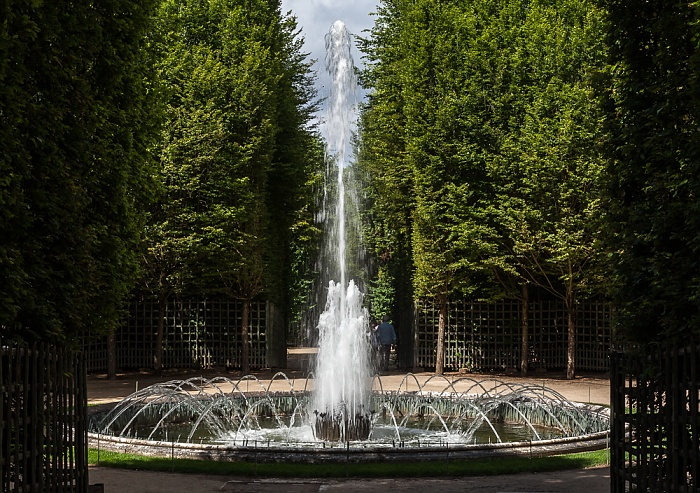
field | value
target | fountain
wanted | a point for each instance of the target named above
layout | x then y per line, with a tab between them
341	398
429	418
342	412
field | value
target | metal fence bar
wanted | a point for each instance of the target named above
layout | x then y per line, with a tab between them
655	399
43	419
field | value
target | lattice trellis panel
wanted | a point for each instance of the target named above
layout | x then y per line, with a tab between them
197	334
486	336
594	337
548	336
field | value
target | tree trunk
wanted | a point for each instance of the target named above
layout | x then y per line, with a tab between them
245	356
524	343
442	321
571	343
158	350
111	356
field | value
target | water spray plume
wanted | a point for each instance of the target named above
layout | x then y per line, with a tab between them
342	388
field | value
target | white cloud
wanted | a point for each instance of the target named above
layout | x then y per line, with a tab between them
315	18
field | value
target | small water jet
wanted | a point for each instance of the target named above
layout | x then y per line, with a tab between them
247	419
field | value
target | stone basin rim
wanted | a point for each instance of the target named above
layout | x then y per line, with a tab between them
355	452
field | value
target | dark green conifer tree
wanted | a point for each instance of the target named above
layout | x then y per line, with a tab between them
76	122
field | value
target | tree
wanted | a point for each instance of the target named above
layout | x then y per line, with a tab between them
550	176
234	149
490	125
429	104
294	180
76	123
653	177
449	141
384	176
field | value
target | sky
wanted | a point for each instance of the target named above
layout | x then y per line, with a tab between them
315	17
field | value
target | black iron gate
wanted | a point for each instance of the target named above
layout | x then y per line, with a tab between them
43	419
655	423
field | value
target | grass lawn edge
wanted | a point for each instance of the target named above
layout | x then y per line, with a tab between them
452	468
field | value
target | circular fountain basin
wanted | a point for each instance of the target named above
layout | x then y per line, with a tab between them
248	420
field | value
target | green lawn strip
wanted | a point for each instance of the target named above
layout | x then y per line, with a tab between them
472	467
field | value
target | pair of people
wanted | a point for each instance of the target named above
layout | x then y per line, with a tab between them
385	337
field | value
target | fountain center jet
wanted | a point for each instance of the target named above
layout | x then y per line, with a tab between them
342	387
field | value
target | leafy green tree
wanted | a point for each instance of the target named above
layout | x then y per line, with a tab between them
654	180
385	177
295	177
487	116
235	153
428	141
76	122
548	205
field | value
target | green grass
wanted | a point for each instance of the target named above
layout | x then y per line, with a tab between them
472	467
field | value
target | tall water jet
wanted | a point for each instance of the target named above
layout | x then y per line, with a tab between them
342	389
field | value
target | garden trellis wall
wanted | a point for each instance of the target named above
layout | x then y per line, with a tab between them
655	419
197	334
485	336
43	420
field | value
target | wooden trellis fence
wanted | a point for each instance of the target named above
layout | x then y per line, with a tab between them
486	336
655	419
197	334
43	420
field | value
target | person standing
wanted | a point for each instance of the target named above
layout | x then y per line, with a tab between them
386	336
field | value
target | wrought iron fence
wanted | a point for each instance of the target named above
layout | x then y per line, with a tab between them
655	409
486	336
43	419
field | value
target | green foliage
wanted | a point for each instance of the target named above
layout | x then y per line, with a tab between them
450	139
382	170
382	295
480	141
384	173
217	145
654	179
239	157
76	121
550	165
296	172
85	89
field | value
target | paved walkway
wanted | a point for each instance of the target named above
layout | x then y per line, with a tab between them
593	389
590	388
594	480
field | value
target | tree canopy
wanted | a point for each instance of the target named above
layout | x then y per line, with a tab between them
171	144
481	145
238	153
168	143
75	128
653	181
